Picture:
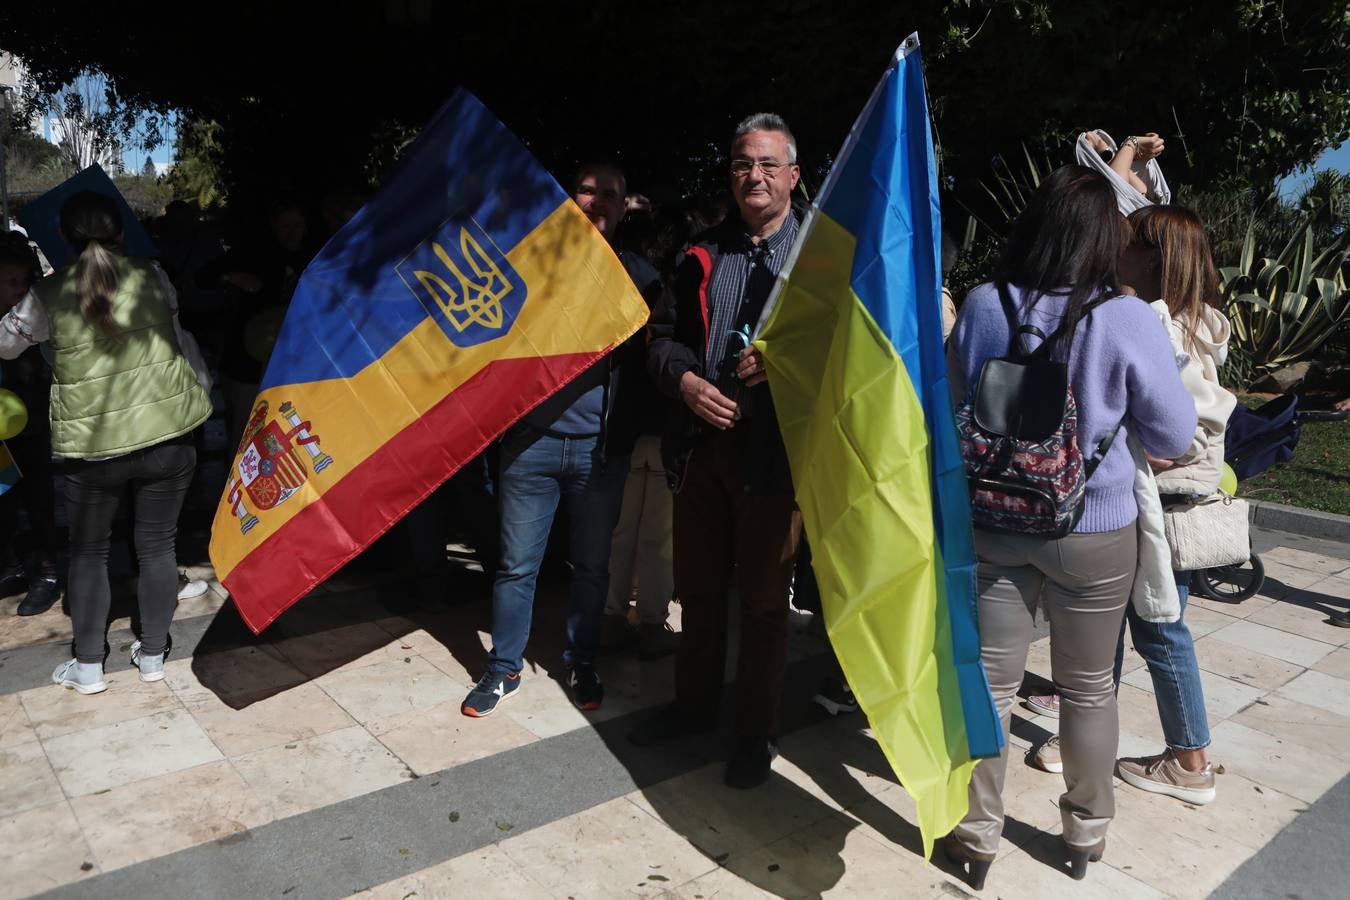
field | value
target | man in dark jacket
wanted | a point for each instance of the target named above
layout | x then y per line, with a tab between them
734	510
559	449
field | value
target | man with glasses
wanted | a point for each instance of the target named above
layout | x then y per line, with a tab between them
734	510
562	448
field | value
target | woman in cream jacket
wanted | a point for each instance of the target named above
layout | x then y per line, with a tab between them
1169	260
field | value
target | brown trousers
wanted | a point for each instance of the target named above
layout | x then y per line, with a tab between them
722	530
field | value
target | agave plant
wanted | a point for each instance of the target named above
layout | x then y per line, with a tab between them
1014	183
1284	309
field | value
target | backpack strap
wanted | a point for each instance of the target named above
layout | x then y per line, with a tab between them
1059	332
1015	328
1102	449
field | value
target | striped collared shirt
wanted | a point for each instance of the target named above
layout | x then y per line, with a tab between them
740	284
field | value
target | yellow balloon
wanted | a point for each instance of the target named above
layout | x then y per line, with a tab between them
1228	480
260	333
13	415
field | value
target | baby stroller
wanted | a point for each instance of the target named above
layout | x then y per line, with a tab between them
1255	440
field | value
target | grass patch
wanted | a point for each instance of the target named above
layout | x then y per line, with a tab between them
1318	477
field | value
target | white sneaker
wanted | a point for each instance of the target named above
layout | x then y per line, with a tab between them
1047	756
86	678
189	589
152	667
1044	705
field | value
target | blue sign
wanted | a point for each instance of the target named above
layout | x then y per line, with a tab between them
42	218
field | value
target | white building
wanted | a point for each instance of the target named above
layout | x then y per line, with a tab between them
52	126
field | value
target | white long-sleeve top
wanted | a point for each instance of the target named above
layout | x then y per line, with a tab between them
27	324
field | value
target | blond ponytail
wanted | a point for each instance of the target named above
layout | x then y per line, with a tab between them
96	280
92	224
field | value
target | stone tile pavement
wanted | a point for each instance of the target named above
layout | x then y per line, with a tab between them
330	759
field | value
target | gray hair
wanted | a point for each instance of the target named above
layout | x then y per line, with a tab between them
768	122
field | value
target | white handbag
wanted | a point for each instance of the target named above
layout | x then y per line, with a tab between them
1209	532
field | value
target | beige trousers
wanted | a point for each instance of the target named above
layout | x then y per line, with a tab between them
1085	581
642	539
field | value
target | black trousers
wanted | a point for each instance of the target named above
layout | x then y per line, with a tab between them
159	476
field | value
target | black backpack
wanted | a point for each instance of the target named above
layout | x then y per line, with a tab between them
1019	437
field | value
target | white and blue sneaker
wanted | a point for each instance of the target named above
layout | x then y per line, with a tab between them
152	667
86	678
490	690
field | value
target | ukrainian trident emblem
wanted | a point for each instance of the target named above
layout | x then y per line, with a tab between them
270	468
464	282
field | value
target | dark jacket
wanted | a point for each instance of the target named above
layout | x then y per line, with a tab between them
629	394
679	344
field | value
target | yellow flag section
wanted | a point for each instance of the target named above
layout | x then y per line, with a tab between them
853	347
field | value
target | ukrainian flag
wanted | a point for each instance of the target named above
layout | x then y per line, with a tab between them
853	348
469	290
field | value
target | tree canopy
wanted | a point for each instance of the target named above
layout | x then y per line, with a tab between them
308	95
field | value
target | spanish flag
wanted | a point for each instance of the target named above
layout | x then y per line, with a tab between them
465	293
852	343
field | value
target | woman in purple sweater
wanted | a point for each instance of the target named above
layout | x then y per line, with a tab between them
1061	254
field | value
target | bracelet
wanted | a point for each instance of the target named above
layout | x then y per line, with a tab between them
1133	142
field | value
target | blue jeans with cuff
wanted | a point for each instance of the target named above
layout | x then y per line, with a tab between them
537	472
1168	649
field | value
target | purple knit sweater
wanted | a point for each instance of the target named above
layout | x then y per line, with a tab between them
1122	363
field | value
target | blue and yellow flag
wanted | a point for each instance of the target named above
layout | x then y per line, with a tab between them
465	293
9	470
853	348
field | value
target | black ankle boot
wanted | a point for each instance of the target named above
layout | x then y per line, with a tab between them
1079	857
975	862
750	762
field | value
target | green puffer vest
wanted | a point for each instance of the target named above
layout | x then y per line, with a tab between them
113	393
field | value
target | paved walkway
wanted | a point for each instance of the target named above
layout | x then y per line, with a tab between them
330	759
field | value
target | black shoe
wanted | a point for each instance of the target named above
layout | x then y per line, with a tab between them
1079	857
749	764
835	697
615	633
668	725
656	641
587	691
42	595
973	863
12	581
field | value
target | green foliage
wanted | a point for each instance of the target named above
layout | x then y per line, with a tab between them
147	197
1011	185
1245	90
980	248
1286	308
197	175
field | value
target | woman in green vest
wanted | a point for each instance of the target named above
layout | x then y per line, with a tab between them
124	402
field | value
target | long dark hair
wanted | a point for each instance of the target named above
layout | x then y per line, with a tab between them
92	224
1069	237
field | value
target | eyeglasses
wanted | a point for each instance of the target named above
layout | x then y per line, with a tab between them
743	167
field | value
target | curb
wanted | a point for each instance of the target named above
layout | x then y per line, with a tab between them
1297	520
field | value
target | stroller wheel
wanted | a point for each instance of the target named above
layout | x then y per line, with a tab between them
1230	584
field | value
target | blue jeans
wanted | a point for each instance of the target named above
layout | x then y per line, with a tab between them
1170	653
536	472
